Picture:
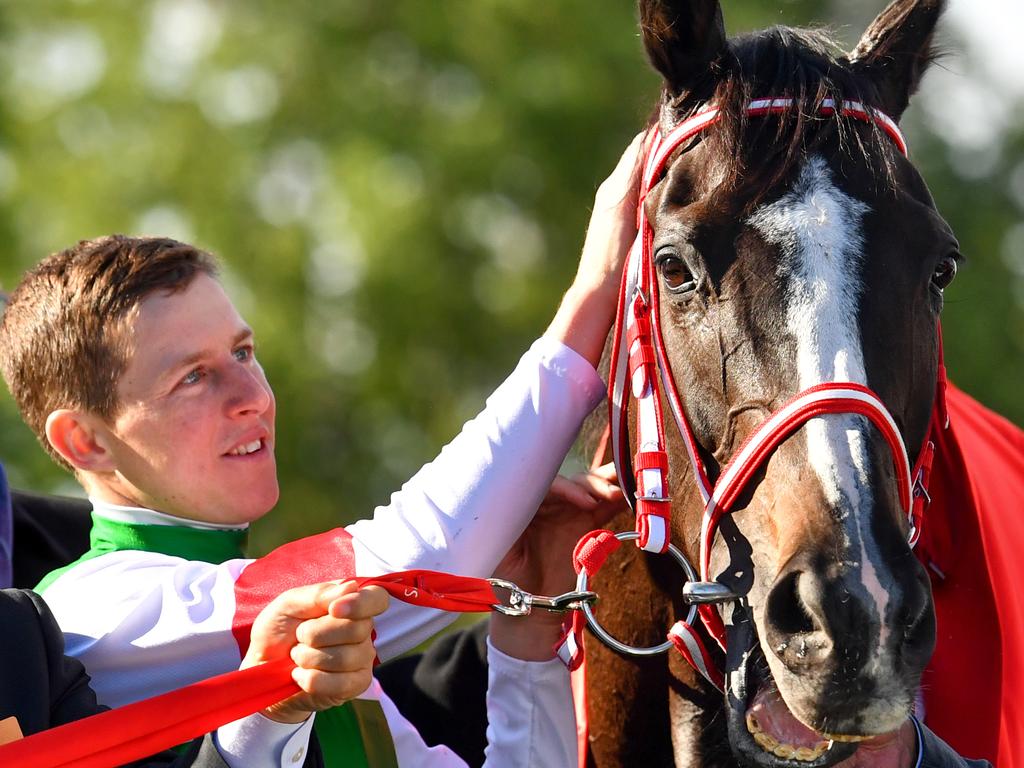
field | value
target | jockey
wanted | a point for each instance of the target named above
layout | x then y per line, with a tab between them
136	372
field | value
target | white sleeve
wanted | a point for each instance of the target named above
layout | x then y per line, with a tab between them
531	722
461	512
258	742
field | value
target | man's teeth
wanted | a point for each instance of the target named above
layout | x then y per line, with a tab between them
770	744
247	448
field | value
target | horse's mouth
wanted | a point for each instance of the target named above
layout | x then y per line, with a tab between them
763	733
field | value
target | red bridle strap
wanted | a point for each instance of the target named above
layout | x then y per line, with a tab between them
820	400
832	398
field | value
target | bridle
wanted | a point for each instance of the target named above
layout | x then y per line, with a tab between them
640	370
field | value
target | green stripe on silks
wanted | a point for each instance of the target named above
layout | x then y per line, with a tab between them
205	545
355	735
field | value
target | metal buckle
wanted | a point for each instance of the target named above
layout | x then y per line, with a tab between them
521	602
652	498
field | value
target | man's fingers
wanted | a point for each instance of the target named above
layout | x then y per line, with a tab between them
365	604
600	484
337	658
571	492
325	631
315	600
307	601
607	473
324	690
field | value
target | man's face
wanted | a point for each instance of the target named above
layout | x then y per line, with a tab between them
194	436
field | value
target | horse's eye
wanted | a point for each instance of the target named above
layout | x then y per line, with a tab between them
677	276
944	273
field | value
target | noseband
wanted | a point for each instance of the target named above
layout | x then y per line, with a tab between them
640	369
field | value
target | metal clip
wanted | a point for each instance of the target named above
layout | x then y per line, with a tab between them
521	603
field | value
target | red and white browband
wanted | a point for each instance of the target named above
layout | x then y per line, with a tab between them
640	369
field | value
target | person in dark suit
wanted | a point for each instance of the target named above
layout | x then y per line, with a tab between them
43	688
6	531
48	533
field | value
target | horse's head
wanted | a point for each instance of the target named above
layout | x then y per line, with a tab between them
791	250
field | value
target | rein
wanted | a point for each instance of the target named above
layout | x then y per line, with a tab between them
640	370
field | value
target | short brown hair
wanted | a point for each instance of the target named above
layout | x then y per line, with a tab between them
62	341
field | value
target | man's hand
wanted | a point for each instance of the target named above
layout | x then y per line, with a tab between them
541	560
588	307
326	629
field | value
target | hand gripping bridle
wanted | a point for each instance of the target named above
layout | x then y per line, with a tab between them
640	369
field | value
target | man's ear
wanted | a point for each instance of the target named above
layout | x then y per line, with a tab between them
75	436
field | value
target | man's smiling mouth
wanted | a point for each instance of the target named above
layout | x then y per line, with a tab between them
246	448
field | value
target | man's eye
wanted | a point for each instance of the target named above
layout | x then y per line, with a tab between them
192	377
242	354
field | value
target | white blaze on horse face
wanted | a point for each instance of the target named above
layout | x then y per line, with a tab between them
817	229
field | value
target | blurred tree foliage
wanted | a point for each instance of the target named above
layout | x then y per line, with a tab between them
398	192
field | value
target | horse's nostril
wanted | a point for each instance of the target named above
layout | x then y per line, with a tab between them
918	620
785	609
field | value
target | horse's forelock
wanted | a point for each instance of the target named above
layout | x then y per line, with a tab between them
806	65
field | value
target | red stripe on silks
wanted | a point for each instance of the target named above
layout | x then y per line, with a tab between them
327	556
146	727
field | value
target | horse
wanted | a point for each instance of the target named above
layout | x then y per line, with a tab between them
793	246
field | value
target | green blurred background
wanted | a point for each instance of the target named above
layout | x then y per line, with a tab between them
398	190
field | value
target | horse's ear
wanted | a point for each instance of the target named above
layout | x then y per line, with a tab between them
683	39
897	48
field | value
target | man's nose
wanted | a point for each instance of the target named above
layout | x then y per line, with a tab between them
250	392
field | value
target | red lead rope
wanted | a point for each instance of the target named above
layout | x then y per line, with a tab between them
149	726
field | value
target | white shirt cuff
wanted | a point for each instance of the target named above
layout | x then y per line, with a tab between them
259	742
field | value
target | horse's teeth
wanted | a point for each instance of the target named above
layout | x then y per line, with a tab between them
752	725
769	743
765	741
784	750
